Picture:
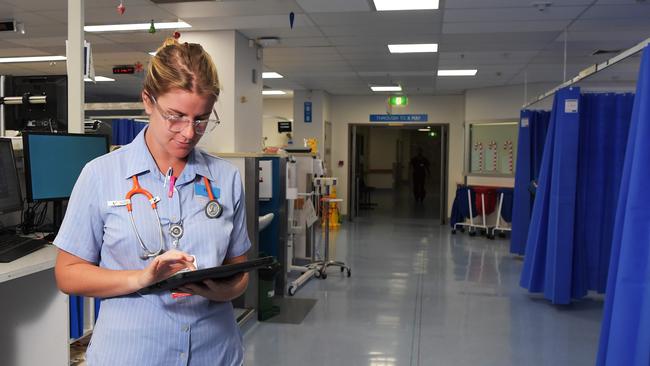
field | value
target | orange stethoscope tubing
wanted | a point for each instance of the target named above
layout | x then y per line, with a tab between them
137	189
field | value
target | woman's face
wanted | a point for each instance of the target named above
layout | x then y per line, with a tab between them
176	103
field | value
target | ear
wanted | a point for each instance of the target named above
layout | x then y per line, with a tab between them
147	102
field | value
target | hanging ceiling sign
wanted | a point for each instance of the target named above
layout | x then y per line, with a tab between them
124	69
399	117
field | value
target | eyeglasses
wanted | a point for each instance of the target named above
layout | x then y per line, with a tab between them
178	123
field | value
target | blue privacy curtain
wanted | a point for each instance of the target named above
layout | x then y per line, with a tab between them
125	130
604	126
570	232
625	334
532	135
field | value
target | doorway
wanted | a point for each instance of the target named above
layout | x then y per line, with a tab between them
383	178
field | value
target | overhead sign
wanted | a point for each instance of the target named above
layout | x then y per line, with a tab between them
124	69
399	117
307	112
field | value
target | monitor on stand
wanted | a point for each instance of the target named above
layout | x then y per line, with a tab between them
53	163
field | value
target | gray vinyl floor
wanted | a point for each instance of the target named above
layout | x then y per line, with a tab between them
421	296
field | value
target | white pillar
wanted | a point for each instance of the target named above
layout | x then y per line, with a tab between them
240	102
75	64
319	113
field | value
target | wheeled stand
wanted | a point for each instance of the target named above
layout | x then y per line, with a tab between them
322	269
498	228
472	228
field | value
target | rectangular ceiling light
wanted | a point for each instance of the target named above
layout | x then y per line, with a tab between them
424	130
135	26
387	5
10	60
470	72
273	92
99	78
271	75
413	48
388	88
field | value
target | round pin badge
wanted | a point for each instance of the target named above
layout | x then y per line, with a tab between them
213	209
176	231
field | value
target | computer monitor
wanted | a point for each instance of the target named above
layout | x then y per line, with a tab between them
53	162
10	198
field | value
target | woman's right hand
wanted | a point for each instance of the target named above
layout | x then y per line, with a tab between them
163	267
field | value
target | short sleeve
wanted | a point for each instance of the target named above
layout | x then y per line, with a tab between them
239	241
82	229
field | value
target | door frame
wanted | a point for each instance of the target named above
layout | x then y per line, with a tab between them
353	193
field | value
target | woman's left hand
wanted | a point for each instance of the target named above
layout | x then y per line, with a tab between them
217	290
223	290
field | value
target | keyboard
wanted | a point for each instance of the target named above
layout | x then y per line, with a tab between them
13	247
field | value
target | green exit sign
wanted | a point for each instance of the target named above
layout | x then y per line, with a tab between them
398	100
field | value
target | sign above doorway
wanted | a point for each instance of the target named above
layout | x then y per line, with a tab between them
399	117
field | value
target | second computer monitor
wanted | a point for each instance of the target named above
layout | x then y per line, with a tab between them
53	162
10	198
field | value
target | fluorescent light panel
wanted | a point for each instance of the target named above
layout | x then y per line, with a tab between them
388	88
388	5
273	92
413	48
271	75
9	60
469	72
424	130
135	26
99	78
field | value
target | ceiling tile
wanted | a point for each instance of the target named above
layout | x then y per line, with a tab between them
332	6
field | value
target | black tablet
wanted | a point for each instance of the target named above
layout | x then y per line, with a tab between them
199	275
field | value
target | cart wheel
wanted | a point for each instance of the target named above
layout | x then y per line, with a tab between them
453	232
342	269
490	236
292	290
323	275
349	272
317	274
502	235
472	233
462	229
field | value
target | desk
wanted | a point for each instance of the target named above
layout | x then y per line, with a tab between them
34	315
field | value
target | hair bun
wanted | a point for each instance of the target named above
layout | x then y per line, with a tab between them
169	41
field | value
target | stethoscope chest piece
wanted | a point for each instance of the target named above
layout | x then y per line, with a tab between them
213	209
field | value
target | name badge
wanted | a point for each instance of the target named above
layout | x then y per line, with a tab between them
200	190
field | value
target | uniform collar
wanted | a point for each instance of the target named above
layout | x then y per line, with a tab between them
140	160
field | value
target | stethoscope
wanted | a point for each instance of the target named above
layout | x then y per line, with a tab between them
213	210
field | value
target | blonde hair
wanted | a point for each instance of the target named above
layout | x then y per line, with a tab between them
183	66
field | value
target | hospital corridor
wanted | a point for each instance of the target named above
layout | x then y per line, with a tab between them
421	296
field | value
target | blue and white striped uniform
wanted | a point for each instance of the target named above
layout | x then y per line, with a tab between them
157	329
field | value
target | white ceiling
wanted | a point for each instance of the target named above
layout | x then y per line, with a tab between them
340	45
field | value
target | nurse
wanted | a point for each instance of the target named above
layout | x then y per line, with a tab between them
107	252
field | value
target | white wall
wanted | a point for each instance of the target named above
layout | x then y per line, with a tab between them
346	110
274	110
248	97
